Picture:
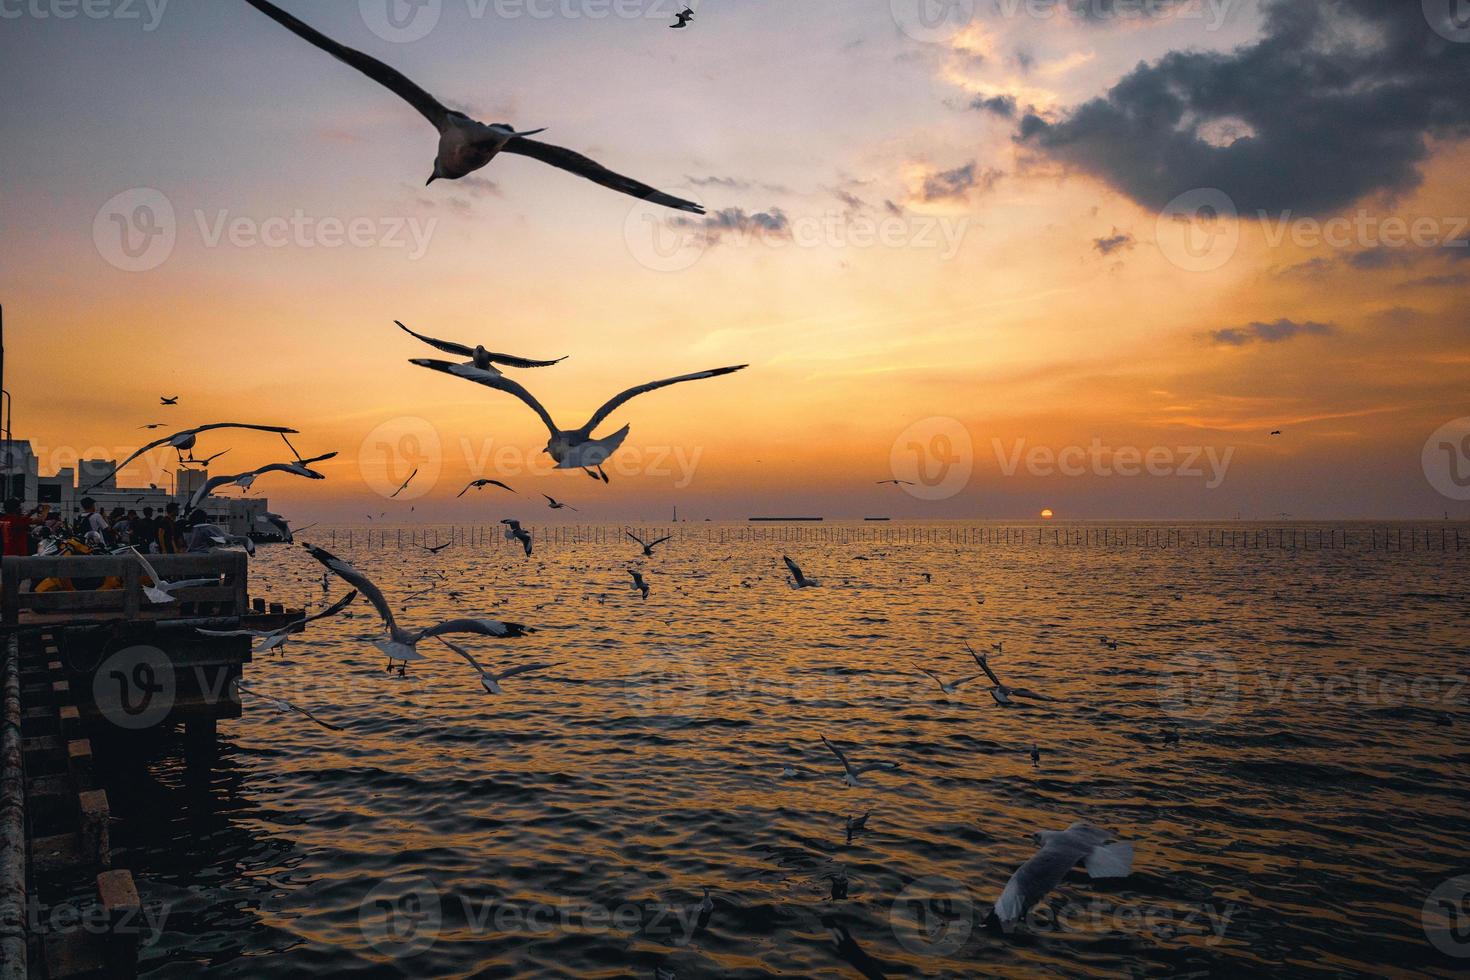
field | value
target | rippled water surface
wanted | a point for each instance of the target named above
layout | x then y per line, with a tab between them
1314	802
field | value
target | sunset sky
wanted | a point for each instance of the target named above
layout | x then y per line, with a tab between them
986	230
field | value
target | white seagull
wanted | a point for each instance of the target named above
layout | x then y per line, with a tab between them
951	687
1061	850
161	591
466	145
576	448
648	546
850	772
638	582
1001	692
513	532
283	705
798	580
277	637
491	682
481	363
245	481
555	504
184	441
401	644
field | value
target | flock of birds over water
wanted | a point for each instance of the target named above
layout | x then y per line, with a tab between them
466	145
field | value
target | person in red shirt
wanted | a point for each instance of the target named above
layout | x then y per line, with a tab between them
15	528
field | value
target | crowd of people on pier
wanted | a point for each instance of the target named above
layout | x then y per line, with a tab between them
162	532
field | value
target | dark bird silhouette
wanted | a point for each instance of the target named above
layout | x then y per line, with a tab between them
638	582
513	530
466	145
648	546
166	400
480	485
684	18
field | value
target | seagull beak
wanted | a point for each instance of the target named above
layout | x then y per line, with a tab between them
432	178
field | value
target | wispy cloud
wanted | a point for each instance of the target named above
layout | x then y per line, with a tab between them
1270	333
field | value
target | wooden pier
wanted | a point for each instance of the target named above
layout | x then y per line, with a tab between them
90	661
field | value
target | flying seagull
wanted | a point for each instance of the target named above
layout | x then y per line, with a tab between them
684	18
555	504
277	637
950	687
466	145
480	485
1061	850
153	425
513	531
576	448
638	582
161	591
1276	432
401	644
896	483
404	486
184	441
491	682
648	546
798	580
437	548
1001	692
481	363
850	772
247	479
282	704
165	400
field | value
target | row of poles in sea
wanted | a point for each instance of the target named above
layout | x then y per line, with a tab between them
1251	538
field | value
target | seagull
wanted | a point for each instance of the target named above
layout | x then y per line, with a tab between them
437	548
1108	642
576	448
153	425
491	682
951	687
839	882
555	504
895	483
466	145
480	485
513	531
165	400
402	645
184	441
638	582
284	705
283	526
1276	432
683	19
856	825
1061	850
404	485
245	480
851	773
1000	692
481	363
221	538
277	637
161	591
189	460
798	580
648	546
1035	757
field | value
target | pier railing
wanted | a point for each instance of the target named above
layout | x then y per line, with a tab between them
80	587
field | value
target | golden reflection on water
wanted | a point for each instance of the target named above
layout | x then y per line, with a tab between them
569	825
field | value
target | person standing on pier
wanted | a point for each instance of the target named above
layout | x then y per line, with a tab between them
15	527
145	532
91	521
170	538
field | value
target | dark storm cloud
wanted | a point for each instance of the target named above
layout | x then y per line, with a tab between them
956	184
1334	102
1269	333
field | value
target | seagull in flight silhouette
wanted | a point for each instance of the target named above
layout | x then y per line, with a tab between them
1000	692
638	582
405	484
514	531
850	773
165	400
480	485
481	363
797	579
576	448
466	145
184	441
684	18
555	504
648	546
491	682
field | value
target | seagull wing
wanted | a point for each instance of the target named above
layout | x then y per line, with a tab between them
357	580
333	609
618	399
502	383
523	668
984	665
447	346
660	541
388	77
876	765
210	485
283	703
793	567
1039	875
576	163
837	752
469	657
1021	692
479	627
635	537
